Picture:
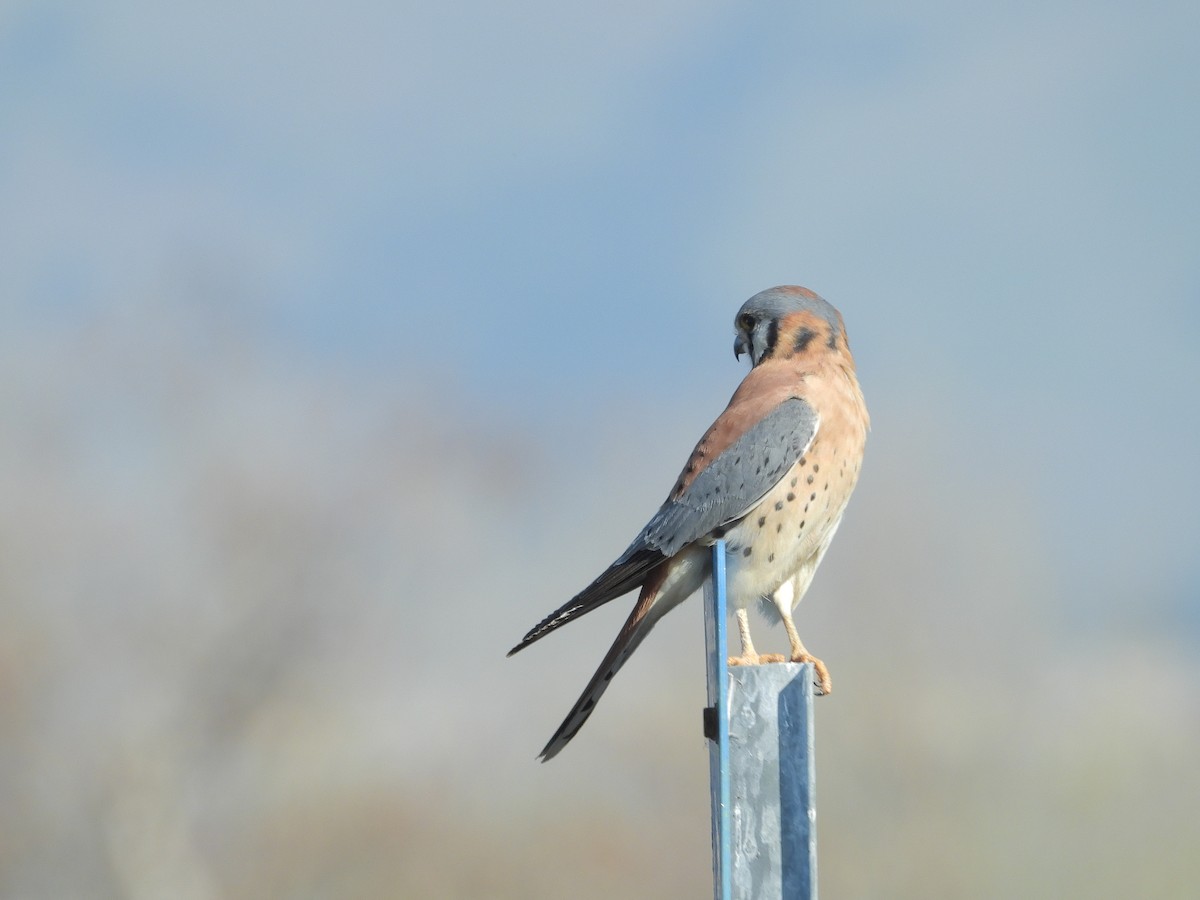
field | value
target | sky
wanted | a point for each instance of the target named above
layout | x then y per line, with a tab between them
305	251
548	207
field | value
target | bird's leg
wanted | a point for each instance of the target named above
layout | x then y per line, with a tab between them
749	657
800	655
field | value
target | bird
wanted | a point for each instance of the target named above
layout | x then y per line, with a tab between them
771	477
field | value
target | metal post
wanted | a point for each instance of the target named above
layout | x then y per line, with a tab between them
762	767
772	780
716	723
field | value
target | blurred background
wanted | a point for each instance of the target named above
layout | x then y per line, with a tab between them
312	319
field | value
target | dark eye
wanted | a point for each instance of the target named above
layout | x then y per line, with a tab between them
746	322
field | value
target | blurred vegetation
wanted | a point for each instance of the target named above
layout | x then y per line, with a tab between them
254	607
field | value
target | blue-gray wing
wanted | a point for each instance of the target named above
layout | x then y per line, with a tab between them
734	482
727	489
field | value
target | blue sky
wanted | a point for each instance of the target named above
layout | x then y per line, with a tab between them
551	208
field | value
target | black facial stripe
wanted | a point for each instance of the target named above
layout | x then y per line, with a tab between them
772	338
803	338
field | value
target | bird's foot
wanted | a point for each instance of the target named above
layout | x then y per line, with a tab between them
756	659
823	684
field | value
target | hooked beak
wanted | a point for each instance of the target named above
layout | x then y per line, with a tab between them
740	346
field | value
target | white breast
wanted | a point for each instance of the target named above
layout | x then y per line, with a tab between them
783	539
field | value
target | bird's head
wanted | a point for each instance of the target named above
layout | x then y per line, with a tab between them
782	322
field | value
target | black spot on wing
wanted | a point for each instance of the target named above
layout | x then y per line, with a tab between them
726	490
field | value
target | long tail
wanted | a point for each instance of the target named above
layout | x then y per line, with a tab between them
636	627
619	578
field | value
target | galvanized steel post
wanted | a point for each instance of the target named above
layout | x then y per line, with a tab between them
762	768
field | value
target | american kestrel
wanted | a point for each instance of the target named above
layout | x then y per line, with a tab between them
771	476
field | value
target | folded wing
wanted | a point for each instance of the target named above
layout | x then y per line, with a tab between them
712	498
